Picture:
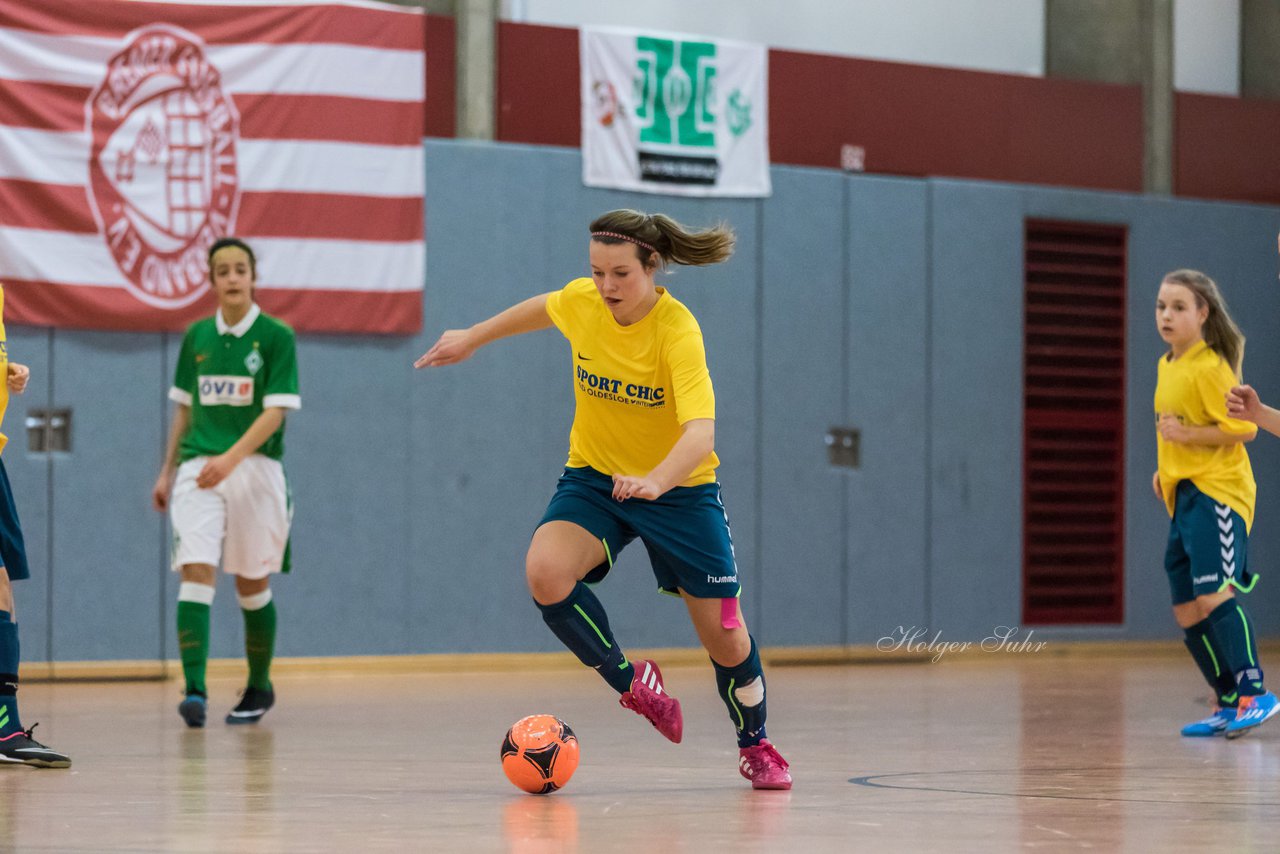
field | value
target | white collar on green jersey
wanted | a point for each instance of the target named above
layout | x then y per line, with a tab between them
240	328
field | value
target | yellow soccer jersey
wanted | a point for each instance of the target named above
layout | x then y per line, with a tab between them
634	386
1194	387
4	370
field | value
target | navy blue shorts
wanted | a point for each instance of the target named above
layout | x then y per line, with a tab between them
13	549
685	531
1208	547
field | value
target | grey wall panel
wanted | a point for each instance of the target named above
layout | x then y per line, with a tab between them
29	476
975	418
170	346
106	575
803	384
349	463
489	435
893	305
888	318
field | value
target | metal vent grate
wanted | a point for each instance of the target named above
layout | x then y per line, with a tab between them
1073	434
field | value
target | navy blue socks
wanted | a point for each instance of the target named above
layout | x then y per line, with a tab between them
580	623
9	652
1239	644
742	690
1212	661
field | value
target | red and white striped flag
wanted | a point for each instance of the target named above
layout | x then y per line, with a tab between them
133	134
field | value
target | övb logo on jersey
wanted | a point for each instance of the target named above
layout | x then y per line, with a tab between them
225	390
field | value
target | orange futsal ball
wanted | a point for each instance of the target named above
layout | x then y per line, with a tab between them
539	754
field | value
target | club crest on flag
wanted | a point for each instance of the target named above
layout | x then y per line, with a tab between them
163	179
143	132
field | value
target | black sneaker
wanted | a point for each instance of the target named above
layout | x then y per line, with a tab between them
194	709
21	749
253	704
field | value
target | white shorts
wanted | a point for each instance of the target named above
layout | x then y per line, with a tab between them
242	522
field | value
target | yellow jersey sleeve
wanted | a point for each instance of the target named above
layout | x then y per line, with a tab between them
690	379
566	304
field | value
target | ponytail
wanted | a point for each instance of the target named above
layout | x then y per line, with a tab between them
659	234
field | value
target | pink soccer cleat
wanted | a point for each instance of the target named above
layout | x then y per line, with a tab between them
649	699
764	766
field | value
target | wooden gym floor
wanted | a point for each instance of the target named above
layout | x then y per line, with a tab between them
985	753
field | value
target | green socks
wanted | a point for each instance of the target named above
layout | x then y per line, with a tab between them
259	637
194	601
193	633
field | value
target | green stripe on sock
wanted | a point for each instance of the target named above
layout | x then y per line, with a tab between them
1248	640
594	628
1217	671
733	704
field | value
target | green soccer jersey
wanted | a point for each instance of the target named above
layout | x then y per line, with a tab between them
228	375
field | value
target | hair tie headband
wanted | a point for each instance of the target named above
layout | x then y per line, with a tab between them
626	237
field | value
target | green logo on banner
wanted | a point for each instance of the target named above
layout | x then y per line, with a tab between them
739	110
675	92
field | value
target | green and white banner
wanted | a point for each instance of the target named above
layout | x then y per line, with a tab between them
674	113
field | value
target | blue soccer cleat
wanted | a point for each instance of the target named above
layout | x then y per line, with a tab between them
193	710
1253	711
1215	724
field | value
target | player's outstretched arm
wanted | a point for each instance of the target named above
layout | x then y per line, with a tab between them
1243	403
17	377
457	345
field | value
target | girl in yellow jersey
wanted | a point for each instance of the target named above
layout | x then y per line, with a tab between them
1205	480
17	747
641	466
